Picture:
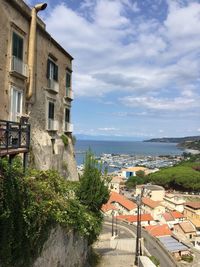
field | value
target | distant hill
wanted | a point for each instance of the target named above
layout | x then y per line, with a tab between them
174	139
188	142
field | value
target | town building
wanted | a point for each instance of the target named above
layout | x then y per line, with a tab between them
192	213
145	219
176	248
172	217
122	205
35	85
185	230
131	171
155	208
158	230
154	192
108	209
174	202
114	184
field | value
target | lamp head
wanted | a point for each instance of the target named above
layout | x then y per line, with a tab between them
40	6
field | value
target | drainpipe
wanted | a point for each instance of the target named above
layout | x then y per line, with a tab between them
32	45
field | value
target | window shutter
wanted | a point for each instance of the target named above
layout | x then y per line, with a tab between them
51	110
20	48
55	72
48	68
14	44
67	115
17	46
68	78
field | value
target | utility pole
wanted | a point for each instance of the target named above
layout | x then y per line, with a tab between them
116	230
112	223
138	248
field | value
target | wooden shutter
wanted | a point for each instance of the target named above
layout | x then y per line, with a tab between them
67	115
55	75
17	46
51	110
14	44
68	80
48	68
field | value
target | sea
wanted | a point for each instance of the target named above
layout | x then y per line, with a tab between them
138	148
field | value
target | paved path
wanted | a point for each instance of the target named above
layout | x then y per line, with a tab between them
113	257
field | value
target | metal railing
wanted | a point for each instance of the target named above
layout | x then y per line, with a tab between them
53	85
68	127
19	66
14	135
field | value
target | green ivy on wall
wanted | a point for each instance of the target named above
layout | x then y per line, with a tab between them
31	205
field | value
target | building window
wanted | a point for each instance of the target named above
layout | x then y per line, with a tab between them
17	64
67	115
68	82
52	76
52	70
51	114
17	46
68	127
16	104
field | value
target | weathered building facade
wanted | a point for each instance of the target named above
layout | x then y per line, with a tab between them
35	83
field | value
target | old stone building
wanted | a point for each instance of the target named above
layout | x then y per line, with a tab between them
35	83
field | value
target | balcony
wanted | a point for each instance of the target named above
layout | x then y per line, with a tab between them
52	125
14	137
68	127
69	94
53	86
19	67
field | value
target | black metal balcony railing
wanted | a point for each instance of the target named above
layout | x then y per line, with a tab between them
14	137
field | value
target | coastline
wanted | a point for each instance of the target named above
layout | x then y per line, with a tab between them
192	151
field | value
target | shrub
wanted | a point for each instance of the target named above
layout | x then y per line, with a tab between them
154	260
31	205
187	258
64	139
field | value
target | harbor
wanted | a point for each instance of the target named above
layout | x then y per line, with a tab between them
115	162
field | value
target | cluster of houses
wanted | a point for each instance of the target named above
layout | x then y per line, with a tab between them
165	216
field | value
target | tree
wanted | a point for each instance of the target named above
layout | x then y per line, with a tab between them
93	190
134	180
140	174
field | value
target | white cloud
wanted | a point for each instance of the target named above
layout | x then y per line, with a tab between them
175	104
140	58
108	129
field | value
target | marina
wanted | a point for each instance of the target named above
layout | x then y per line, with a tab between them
115	162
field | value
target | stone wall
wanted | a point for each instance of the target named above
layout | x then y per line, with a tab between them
63	250
44	155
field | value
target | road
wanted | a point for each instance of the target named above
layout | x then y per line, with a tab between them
115	257
152	246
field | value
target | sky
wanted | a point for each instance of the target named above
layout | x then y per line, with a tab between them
136	68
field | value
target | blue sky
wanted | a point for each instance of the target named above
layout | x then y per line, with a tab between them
136	68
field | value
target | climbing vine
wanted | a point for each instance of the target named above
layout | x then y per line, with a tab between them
31	205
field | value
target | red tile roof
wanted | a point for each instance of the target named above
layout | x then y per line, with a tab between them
159	230
123	201
177	214
168	217
172	215
133	218
107	207
151	203
193	205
